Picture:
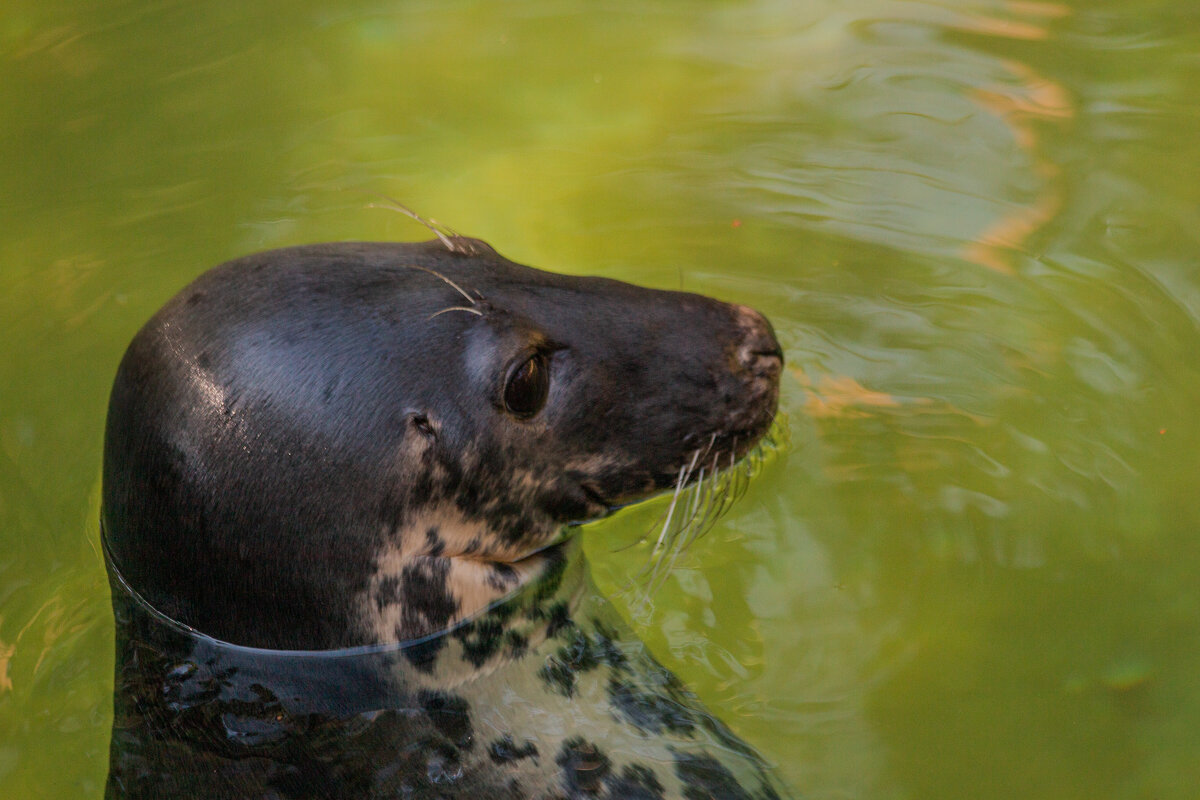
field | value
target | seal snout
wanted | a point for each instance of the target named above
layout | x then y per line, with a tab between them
758	358
758	354
756	362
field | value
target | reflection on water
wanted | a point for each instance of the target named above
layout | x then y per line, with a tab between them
973	224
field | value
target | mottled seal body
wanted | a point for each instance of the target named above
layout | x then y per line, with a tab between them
371	450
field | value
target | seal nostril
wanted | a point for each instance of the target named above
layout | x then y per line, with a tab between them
759	351
770	361
775	352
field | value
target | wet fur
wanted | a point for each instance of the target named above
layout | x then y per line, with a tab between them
305	451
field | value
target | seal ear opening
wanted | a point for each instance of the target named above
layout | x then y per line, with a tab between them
420	421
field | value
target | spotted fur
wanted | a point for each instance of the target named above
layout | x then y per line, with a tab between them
545	695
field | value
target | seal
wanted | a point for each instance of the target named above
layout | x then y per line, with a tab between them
339	482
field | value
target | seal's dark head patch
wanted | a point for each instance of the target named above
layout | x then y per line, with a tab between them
369	441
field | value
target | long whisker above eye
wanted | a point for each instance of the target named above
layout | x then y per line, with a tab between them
474	311
453	242
457	288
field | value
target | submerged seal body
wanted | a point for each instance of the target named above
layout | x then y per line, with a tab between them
336	481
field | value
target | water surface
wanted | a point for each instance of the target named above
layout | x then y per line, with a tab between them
971	573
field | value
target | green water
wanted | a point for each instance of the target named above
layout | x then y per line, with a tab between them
973	573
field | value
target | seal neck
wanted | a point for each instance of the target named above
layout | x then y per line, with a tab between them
556	580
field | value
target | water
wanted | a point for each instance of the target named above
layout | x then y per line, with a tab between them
974	225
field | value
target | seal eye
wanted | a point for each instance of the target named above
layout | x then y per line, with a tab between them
527	386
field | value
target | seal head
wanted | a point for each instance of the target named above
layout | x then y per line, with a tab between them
343	444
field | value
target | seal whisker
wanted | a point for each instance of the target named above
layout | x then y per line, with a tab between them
718	485
740	478
667	537
732	492
453	241
704	501
674	501
672	535
733	489
664	520
439	275
663	567
656	576
474	311
693	504
713	502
